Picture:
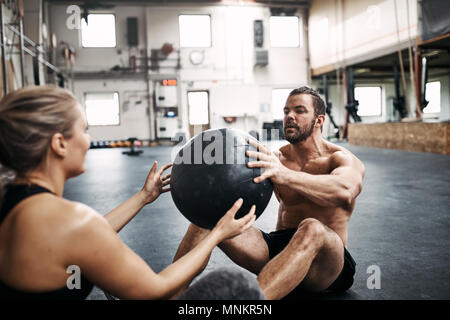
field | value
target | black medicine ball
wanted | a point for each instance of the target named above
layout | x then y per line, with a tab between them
210	173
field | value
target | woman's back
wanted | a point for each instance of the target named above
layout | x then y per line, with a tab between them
34	230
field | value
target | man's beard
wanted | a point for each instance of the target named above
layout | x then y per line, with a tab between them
300	135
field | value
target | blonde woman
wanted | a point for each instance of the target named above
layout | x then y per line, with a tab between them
43	141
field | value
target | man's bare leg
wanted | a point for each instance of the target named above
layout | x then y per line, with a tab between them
314	257
248	250
192	237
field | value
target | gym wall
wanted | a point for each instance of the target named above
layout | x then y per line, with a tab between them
98	59
345	32
229	63
134	118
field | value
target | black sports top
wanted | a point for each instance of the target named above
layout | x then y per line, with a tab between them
13	195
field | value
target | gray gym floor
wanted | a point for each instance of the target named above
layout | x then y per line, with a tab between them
401	222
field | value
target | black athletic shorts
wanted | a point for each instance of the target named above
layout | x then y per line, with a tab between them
278	240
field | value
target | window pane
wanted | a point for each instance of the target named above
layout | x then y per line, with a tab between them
279	97
433	96
284	31
102	108
195	30
198	107
101	31
369	99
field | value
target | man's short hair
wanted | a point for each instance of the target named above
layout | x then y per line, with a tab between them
319	105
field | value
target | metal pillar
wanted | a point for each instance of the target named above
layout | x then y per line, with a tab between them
423	85
399	100
22	58
352	104
328	104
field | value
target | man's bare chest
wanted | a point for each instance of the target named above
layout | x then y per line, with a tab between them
316	167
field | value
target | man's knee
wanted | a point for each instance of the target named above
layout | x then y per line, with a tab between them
195	234
192	237
311	231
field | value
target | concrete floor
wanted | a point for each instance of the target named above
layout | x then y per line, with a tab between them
401	222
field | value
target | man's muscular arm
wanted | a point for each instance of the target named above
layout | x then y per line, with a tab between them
337	189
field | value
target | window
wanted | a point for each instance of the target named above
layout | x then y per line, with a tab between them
102	109
433	96
195	30
100	32
284	31
369	99
279	97
198	107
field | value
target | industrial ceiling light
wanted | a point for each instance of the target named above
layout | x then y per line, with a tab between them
361	70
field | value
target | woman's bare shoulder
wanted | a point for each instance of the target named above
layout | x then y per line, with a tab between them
52	217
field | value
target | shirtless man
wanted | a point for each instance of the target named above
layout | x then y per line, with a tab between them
316	183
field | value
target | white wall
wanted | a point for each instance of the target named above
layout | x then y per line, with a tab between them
134	120
346	31
134	117
236	88
98	59
228	71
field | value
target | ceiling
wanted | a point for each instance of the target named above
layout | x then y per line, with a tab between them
382	68
274	3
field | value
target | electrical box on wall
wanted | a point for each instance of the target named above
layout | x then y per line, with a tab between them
258	33
166	93
166	127
261	58
132	31
166	108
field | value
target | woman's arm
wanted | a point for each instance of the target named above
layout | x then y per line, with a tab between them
153	187
106	261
